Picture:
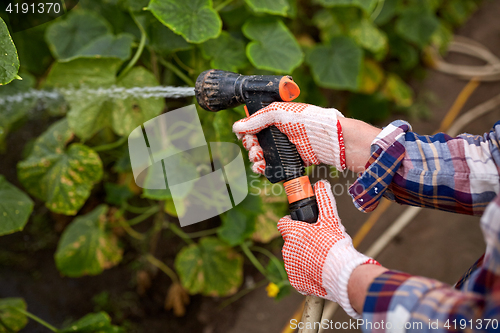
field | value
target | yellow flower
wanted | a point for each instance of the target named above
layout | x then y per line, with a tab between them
272	290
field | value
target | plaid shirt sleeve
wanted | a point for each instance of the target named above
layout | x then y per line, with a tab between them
459	174
454	174
399	302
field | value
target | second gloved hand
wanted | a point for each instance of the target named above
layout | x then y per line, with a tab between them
315	131
319	257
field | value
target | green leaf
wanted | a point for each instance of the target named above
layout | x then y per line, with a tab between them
277	7
458	11
86	247
366	5
396	90
32	49
181	168
210	267
387	13
92	323
117	194
417	25
195	20
370	108
88	114
13	111
338	64
9	61
273	46
164	40
90	73
11	318
442	37
368	35
406	54
61	177
15	208
238	224
131	112
371	77
81	33
109	46
226	52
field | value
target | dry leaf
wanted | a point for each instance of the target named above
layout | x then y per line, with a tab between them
177	299
143	282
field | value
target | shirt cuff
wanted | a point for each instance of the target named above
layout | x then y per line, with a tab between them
388	150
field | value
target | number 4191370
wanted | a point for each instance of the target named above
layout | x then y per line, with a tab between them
41	8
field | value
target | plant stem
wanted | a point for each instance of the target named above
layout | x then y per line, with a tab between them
111	145
180	63
130	231
138	219
177	72
164	268
134	209
35	318
176	230
63	3
242	293
252	258
273	259
201	233
139	49
222	5
377	10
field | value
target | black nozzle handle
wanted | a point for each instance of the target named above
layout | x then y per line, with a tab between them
283	163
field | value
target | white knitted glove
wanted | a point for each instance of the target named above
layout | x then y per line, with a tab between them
319	257
315	131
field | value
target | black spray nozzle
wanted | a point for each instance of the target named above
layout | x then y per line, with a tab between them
218	90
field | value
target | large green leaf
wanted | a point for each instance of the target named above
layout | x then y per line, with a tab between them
88	113
273	46
14	320
109	46
416	24
86	247
89	73
195	20
92	323
278	7
368	35
338	64
85	34
131	112
366	5
9	61
164	40
238	224
15	208
16	109
210	267
226	52
62	177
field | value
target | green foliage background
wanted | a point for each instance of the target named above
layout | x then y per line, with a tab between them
355	55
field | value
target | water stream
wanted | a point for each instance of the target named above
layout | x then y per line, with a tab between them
59	96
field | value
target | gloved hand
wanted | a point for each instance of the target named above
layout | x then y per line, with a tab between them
319	257
315	131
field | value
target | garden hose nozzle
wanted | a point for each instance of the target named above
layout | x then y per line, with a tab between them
218	90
